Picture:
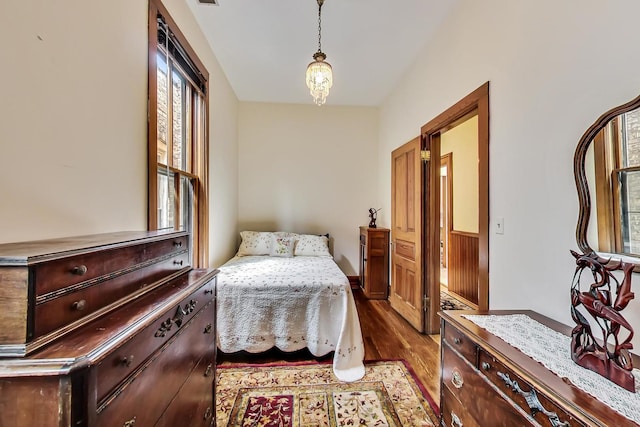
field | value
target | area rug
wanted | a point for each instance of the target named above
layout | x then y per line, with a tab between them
447	302
308	394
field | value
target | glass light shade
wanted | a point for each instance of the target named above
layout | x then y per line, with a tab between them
319	79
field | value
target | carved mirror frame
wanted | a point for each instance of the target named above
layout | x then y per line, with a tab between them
584	197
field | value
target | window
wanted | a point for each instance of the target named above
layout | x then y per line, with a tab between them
617	166
178	155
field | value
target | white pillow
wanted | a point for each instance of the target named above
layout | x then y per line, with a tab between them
282	246
255	243
312	245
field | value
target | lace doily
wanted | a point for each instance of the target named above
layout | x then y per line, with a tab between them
553	350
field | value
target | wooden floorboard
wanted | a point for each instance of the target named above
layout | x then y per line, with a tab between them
386	336
389	336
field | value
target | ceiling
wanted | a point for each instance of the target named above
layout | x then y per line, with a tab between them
264	46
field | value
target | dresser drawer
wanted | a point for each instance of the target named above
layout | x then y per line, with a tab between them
454	413
61	273
122	362
546	413
194	404
70	307
144	395
460	342
482	403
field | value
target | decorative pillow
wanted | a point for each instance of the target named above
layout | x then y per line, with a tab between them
282	246
312	245
286	234
255	243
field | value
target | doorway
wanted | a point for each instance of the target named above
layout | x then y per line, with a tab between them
474	106
446	208
420	227
459	215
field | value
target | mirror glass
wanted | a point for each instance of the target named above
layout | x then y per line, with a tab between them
607	172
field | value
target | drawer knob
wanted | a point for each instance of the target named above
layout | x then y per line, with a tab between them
79	305
486	366
455	420
176	262
126	361
457	341
79	270
177	243
207	329
208	370
208	413
130	423
457	380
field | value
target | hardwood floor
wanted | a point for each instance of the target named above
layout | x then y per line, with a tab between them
386	336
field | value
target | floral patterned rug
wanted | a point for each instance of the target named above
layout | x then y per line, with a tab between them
447	302
308	395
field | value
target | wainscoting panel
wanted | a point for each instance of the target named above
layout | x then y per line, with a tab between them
463	265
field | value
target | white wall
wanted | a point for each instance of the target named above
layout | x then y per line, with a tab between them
73	120
309	169
554	67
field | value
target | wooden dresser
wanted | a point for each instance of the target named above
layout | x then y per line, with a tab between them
481	375
374	262
106	330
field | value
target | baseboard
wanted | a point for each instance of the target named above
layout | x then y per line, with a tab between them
354	281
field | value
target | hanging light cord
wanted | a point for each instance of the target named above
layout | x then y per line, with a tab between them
320	2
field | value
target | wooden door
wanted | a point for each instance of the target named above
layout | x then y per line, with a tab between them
407	284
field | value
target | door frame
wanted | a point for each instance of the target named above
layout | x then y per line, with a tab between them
477	102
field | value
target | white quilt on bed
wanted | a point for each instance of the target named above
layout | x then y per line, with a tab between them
290	303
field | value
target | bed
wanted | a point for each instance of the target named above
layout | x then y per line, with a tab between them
291	298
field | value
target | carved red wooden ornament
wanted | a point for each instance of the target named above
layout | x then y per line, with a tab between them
607	354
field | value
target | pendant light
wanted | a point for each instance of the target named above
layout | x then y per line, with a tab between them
319	73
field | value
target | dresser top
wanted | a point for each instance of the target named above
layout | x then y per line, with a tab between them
25	253
535	373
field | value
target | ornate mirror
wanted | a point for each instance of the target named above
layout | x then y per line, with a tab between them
607	173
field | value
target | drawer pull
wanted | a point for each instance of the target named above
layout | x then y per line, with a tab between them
177	318
207	329
207	372
455	420
177	243
126	361
531	397
208	291
176	262
486	366
457	341
208	413
79	270
457	380
130	423
79	305
164	327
